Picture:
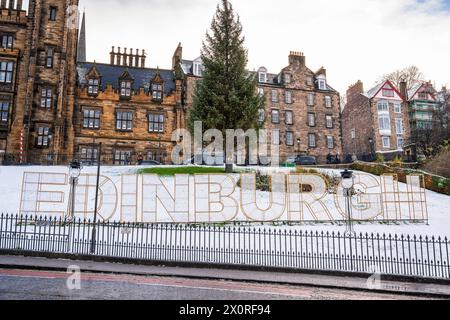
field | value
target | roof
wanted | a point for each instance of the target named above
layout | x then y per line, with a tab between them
414	89
374	91
110	74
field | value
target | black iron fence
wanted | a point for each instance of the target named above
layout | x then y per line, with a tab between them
279	247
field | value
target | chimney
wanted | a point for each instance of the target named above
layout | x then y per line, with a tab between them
131	58
403	89
118	55
112	55
177	56
125	57
3	5
19	4
143	59
296	58
354	90
136	59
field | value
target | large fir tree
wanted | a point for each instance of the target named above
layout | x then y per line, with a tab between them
226	96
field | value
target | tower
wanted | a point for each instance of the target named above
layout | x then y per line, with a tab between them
44	117
81	55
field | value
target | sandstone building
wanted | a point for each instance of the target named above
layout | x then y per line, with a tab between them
376	121
302	111
38	74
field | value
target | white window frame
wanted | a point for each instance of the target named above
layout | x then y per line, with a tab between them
399	129
274	95
330	142
328	102
383	124
288	97
310	99
386	139
276	137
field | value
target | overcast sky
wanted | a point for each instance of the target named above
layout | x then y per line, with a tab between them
352	39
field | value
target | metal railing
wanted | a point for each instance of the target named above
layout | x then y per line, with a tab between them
266	246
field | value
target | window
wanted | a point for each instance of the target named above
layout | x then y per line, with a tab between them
383	106
311	119
275	137
274	96
330	142
124	121
125	89
400	142
49	59
289	138
287	78
399	126
328	102
198	69
322	84
353	134
262	77
4	112
43	138
384	122
52	16
397	108
423	96
156	155
7	41
289	117
310	99
89	153
261	92
312	140
157	91
288	97
275	116
91	119
156	123
122	157
6	71
46	98
93	85
386	142
329	121
388	93
261	115
309	81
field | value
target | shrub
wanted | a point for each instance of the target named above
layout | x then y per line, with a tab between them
379	158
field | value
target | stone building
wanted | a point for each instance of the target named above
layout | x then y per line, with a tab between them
375	121
132	110
302	111
39	71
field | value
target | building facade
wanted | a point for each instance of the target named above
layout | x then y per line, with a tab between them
302	111
423	106
39	64
376	121
132	110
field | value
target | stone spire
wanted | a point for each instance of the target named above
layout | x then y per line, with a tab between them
81	54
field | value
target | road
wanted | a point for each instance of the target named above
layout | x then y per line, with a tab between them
52	285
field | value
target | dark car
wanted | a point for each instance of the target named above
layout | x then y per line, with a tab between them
305	161
149	163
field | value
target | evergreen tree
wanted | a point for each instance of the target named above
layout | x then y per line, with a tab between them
226	96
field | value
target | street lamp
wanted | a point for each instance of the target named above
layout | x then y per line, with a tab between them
371	148
74	172
298	145
347	184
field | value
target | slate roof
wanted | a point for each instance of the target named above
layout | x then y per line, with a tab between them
110	74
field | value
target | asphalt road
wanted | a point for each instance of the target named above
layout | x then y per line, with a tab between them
39	285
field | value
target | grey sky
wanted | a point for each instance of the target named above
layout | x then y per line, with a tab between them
352	39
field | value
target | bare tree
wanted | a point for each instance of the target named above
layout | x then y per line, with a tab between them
412	75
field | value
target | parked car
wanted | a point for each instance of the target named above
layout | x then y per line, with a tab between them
305	161
149	163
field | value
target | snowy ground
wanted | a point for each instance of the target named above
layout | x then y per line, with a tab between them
438	204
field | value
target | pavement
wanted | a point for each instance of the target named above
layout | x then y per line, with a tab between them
13	269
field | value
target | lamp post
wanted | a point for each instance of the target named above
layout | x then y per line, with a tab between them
74	172
298	145
96	199
371	149
347	184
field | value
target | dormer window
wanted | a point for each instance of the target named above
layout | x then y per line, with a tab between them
322	84
125	89
157	91
262	75
93	85
198	70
